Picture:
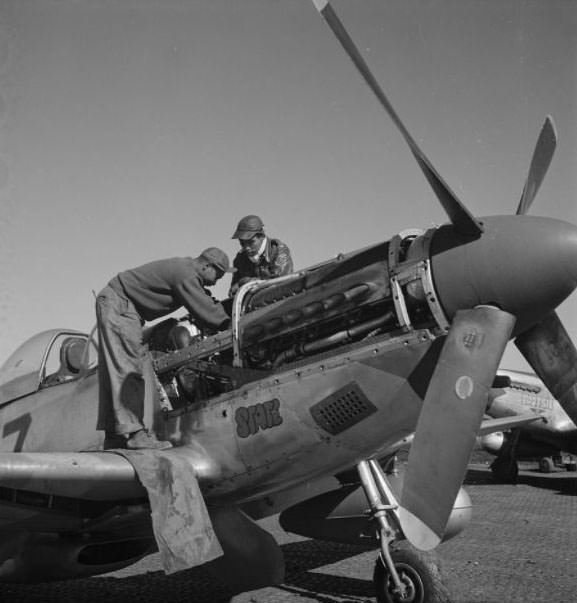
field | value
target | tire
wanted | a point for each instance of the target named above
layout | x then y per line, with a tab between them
546	465
418	571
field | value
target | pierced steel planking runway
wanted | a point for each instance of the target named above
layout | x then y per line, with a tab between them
520	547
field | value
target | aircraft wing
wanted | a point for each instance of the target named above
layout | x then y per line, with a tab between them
78	475
119	494
70	490
63	491
489	425
504	423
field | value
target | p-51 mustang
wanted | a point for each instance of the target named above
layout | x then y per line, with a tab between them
322	372
517	393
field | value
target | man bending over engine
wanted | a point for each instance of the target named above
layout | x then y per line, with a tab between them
126	375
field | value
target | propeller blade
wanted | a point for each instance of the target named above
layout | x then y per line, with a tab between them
542	155
459	215
449	421
549	350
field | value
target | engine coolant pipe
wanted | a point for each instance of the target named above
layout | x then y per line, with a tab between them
302	349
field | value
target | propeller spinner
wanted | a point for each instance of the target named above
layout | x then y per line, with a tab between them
495	278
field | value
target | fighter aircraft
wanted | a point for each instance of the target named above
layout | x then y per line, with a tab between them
322	371
516	393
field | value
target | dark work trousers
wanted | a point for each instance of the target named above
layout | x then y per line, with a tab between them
125	373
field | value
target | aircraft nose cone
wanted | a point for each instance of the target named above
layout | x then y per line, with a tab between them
558	246
526	265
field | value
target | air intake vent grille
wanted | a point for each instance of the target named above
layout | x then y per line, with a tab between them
342	409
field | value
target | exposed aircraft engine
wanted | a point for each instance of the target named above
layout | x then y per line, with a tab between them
316	311
374	291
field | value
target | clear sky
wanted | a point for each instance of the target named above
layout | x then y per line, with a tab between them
132	130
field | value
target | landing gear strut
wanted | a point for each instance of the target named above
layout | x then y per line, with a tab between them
505	468
402	574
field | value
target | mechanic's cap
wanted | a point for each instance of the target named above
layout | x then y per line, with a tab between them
217	257
248	227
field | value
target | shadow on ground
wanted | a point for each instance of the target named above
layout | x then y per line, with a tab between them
199	586
501	554
562	482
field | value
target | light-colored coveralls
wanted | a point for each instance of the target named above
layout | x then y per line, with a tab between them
126	377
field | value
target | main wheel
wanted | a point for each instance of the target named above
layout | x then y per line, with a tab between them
419	573
546	465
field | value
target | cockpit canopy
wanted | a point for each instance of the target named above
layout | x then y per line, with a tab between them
46	359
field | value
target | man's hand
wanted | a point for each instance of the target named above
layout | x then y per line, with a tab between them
239	284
